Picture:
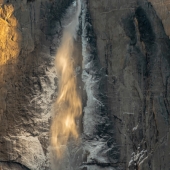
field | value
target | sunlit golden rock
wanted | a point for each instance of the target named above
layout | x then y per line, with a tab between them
10	36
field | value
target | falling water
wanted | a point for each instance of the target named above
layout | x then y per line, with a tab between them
68	105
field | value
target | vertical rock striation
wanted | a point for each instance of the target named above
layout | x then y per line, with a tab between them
133	46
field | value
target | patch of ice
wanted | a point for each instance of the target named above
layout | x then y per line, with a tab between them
128	113
135	128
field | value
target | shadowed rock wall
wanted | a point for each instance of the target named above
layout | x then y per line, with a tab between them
133	47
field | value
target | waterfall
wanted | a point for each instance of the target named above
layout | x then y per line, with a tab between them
68	105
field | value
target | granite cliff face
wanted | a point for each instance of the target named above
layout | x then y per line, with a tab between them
28	81
125	84
133	47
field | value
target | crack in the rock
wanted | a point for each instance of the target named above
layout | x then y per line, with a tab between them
104	164
17	163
